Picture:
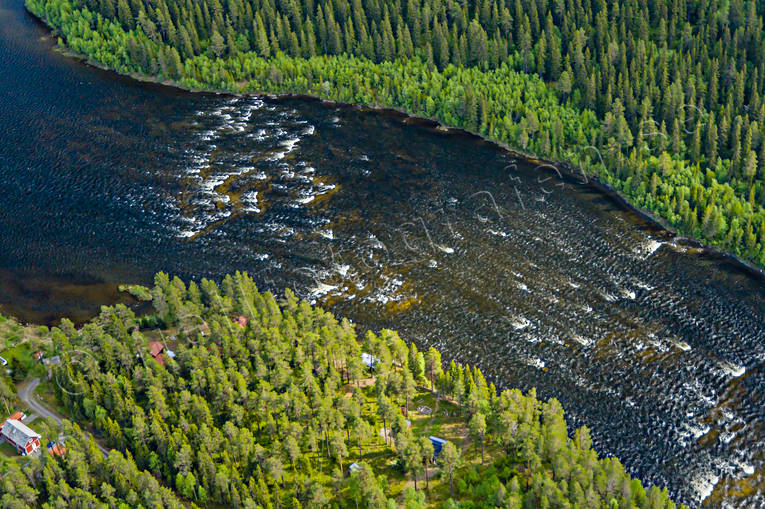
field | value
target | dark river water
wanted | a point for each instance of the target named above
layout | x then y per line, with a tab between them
540	281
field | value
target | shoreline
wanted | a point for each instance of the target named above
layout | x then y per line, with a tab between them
592	181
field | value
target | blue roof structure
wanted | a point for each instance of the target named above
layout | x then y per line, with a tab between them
369	360
438	443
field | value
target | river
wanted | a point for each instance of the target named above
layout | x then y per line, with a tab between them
540	280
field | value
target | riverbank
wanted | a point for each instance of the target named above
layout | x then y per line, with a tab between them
594	181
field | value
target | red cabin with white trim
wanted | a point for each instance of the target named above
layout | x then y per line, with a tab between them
20	436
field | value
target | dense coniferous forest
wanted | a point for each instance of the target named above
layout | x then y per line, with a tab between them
266	404
663	99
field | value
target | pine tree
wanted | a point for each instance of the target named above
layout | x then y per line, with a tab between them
711	139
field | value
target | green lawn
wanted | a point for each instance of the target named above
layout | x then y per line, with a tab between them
447	423
13	333
21	352
8	451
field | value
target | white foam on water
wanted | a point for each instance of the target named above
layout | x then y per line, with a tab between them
682	345
535	362
703	484
206	135
202	202
647	248
260	135
643	286
306	199
627	294
432	264
520	322
574	285
342	269
321	289
693	429
654	342
587	309
731	369
250	202
387	292
188	233
213	182
327	234
498	233
308	131
189	219
445	249
585	342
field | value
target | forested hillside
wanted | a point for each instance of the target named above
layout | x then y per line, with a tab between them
265	404
662	99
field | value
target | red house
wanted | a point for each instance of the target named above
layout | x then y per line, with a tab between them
156	349
20	436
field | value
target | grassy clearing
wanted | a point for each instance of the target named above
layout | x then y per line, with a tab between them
48	395
446	421
22	353
7	450
12	333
